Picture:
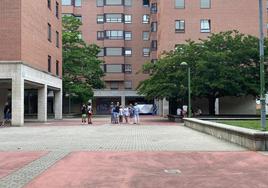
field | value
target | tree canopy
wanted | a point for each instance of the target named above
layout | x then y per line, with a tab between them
81	66
224	64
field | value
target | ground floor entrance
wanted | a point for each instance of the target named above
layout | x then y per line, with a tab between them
30	93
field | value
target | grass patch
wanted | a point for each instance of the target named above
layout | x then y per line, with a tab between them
250	124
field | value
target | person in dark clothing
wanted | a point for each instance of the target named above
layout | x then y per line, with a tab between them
7	113
84	113
116	110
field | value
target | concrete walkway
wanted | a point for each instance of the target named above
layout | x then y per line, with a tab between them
156	153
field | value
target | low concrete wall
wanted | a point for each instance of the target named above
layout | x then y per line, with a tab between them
251	139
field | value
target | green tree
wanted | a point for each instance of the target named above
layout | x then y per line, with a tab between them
81	66
224	64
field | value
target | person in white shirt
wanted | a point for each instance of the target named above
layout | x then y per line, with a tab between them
126	113
121	113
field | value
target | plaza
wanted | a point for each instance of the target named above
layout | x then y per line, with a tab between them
68	154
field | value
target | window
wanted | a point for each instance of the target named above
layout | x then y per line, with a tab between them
154	8
145	19
100	35
153	61
128	52
114	18
57	39
114	34
128	84
49	4
146	52
113	68
128	35
78	3
113	2
101	53
114	85
78	17
179	4
128	2
146	3
113	51
99	3
154	45
128	68
204	3
146	35
67	2
100	19
128	18
179	26
57	9
205	26
80	35
57	68
49	63
49	32
154	27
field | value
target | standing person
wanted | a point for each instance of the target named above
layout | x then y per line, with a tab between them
112	112
179	111
131	113
7	113
126	113
121	113
136	114
116	110
89	113
154	109
84	113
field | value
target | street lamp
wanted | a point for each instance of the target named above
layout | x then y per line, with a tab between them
70	98
189	87
262	82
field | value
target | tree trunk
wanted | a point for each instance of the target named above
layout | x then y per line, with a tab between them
211	105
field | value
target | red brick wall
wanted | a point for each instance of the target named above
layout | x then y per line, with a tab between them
35	45
225	15
10	30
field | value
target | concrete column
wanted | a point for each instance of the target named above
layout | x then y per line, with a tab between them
123	100
58	104
3	100
17	101
160	107
42	104
217	107
165	107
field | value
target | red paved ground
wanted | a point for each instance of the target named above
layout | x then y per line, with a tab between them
146	170
12	161
145	120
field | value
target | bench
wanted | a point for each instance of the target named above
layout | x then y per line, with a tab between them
175	118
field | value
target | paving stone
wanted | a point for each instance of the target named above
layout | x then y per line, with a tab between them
24	175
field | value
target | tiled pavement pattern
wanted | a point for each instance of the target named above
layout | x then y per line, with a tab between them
61	140
24	175
110	138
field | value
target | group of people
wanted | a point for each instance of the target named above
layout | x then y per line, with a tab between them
184	110
7	114
87	113
120	113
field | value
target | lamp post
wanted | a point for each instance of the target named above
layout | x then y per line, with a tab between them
70	98
262	81
189	88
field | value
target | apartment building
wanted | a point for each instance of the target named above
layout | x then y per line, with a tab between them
132	32
31	58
